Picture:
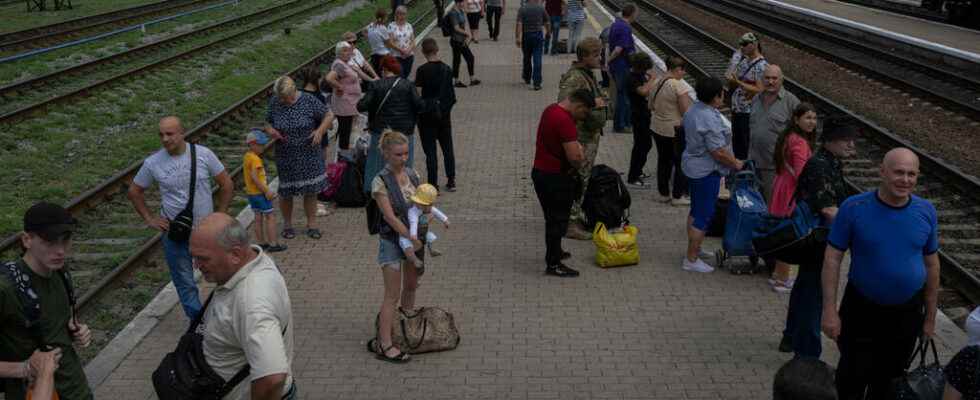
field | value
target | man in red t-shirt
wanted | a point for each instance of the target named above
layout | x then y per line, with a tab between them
557	154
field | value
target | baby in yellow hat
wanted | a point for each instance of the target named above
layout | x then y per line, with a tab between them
418	225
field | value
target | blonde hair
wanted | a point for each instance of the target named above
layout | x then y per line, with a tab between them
391	138
587	47
284	86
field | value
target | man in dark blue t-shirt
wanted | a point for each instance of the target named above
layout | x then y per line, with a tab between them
891	294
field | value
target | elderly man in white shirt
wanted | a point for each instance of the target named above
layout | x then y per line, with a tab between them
248	321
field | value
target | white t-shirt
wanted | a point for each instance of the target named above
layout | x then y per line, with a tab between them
173	174
377	35
402	36
357	59
244	325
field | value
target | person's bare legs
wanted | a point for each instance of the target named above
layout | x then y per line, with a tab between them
309	206
260	228
286	205
410	282
392	282
270	228
695	237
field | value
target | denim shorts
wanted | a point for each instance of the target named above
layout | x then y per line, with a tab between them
390	254
704	194
260	204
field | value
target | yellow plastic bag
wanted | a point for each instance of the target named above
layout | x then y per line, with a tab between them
615	249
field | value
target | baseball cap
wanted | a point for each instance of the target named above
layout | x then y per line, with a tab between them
747	38
257	136
838	130
49	221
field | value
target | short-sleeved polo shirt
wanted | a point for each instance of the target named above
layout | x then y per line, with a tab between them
244	324
887	245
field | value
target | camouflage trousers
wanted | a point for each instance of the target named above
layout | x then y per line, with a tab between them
590	150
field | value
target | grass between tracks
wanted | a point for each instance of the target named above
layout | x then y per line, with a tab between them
48	62
58	155
14	17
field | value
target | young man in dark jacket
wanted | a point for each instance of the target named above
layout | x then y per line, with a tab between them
435	125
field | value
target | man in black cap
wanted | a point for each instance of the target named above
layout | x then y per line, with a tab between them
36	304
821	185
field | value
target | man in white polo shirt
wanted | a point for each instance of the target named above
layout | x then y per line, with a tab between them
248	322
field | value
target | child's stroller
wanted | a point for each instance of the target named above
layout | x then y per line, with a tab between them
746	209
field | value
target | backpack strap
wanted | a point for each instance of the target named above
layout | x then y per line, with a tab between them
21	282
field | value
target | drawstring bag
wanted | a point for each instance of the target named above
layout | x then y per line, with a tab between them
615	249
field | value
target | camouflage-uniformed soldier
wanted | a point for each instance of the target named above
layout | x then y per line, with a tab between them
580	76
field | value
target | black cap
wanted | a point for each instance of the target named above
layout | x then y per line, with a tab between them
834	129
49	221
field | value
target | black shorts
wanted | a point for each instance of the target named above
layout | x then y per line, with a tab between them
474	20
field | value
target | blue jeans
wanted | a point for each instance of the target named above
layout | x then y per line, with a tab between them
574	33
376	161
552	37
621	117
531	46
178	257
805	307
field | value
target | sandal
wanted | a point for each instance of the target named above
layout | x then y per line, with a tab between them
313	233
288	233
401	358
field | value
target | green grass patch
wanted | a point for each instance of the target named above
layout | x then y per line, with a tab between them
15	17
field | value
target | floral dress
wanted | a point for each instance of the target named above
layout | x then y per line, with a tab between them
299	162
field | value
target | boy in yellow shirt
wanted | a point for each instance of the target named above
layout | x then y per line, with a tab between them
258	192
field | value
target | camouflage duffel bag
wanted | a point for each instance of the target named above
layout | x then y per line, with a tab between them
429	329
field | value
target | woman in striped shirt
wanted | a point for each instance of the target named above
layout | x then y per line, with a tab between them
575	19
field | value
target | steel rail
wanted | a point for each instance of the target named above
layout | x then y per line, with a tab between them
25	111
954	273
140	51
37	36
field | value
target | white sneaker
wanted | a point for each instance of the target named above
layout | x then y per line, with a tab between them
706	255
696	266
681	202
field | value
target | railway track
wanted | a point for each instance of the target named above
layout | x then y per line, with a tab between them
49	35
42	91
900	8
26	97
953	193
113	242
955	89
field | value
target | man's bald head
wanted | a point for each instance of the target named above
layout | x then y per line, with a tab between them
773	77
220	247
171	122
899	175
172	135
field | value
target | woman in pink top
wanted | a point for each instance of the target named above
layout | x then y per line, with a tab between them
346	84
793	149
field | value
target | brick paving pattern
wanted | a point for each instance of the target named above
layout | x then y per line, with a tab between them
650	331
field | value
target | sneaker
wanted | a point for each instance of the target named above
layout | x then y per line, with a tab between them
680	202
451	185
702	254
459	84
474	82
638	184
561	271
786	344
276	248
696	266
433	251
577	232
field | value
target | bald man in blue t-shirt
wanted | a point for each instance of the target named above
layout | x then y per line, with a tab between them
891	294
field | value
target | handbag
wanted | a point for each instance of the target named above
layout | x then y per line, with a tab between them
926	382
428	330
795	239
181	226
184	374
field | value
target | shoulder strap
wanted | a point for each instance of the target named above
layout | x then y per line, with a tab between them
25	291
388	93
660	86
190	201
749	69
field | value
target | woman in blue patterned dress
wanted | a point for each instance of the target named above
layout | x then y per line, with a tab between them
299	121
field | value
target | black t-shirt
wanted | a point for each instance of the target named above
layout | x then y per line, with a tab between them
436	80
963	372
638	104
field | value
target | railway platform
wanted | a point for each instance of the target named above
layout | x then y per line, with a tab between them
650	331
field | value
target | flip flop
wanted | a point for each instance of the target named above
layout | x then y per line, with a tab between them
288	233
313	233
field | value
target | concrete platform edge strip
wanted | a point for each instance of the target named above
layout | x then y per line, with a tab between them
948	335
936	47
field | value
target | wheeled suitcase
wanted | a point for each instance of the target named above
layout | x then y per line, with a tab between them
746	210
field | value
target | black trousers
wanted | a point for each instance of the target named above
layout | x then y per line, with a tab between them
555	193
493	20
741	135
376	63
462	50
344	125
669	151
642	143
432	130
875	343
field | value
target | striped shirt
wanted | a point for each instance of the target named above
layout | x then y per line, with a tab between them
576	11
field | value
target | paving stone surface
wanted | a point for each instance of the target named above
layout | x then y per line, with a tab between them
650	331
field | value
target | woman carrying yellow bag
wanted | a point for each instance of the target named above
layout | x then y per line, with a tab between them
615	249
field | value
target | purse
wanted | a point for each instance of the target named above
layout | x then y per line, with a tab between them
795	239
926	382
181	226
430	329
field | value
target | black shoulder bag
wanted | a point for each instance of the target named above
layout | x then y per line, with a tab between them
181	226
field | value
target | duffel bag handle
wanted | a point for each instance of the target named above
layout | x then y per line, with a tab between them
425	328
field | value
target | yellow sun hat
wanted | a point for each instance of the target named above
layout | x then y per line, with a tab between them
425	194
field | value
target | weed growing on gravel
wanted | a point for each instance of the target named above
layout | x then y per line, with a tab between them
14	17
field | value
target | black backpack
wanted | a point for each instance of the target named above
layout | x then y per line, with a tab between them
606	198
446	24
351	191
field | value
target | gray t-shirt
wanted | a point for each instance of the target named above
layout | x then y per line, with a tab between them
173	174
458	18
532	17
